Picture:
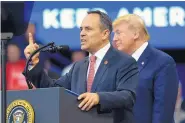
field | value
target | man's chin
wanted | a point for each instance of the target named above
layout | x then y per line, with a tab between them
119	48
123	50
83	48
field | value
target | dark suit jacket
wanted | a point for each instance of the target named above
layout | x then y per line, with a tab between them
157	88
115	82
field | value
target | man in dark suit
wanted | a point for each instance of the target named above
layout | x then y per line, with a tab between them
158	80
107	77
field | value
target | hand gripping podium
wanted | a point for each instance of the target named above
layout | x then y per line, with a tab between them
54	105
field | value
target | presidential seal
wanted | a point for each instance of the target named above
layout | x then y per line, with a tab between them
20	111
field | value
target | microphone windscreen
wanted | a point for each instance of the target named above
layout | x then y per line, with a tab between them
64	47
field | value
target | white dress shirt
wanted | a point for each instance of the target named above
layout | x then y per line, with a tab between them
139	51
99	56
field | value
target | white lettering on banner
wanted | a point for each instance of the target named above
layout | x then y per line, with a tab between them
69	18
50	18
146	15
177	16
160	17
80	14
122	11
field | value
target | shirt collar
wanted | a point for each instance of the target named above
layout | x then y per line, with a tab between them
139	51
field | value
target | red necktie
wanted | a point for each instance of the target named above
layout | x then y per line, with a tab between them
91	72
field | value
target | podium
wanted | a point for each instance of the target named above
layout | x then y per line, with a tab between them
57	105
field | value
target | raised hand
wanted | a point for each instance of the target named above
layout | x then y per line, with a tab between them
30	49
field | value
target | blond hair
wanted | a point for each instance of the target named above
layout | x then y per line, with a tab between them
135	22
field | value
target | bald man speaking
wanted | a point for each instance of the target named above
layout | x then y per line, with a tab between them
158	81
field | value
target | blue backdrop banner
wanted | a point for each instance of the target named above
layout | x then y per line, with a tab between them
60	21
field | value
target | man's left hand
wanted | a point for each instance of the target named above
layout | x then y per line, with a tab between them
88	100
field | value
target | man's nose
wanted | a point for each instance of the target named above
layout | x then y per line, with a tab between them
82	33
115	38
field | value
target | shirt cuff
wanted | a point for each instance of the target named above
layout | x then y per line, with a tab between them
30	67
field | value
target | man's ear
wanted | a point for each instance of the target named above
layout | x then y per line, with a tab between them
136	35
105	34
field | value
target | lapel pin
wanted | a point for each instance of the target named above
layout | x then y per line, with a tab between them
105	62
142	63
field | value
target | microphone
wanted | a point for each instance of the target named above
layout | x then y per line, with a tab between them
55	49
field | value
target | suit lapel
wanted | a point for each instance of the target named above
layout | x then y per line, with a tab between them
105	63
143	60
83	76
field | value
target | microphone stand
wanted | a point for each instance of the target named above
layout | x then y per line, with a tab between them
5	37
30	86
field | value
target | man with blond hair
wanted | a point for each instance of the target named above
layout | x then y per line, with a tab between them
158	82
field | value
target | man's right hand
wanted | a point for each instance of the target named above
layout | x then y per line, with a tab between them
30	49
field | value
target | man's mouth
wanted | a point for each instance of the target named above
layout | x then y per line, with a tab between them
83	41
